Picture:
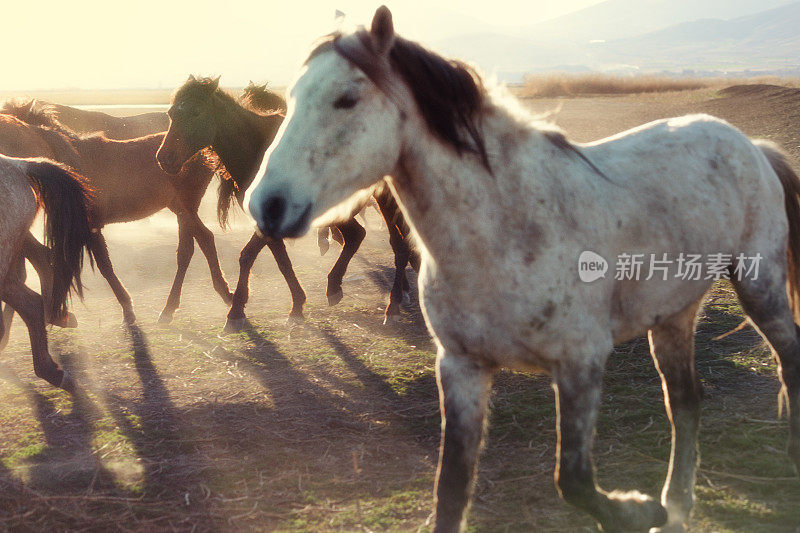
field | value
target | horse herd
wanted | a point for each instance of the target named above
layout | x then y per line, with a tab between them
373	115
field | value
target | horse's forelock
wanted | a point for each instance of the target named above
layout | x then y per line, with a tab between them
449	93
194	87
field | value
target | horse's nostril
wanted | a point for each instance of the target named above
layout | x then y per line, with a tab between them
274	209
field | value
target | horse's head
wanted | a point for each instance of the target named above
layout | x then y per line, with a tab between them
191	123
342	133
261	98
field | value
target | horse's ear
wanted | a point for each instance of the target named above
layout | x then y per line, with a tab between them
191	78
214	85
28	107
382	30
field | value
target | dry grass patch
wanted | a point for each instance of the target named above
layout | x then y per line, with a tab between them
589	84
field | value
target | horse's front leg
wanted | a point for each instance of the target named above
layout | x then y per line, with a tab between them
463	395
235	321
205	239
184	255
578	385
672	347
278	249
352	233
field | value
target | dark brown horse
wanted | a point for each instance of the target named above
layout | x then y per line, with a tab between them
202	115
85	121
26	184
129	186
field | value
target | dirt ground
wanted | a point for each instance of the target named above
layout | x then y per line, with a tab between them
333	425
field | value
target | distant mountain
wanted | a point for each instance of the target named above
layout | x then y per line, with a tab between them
643	34
617	19
768	39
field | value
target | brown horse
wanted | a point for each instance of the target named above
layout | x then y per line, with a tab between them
129	186
85	121
202	115
25	184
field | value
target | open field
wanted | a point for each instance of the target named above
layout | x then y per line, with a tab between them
549	85
334	425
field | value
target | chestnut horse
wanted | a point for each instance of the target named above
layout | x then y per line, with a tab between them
129	186
203	115
506	292
26	184
86	121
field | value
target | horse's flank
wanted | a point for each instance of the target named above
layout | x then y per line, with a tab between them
146	190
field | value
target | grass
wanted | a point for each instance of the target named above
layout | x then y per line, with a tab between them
334	425
551	85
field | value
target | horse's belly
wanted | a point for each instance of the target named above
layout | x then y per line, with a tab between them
126	206
502	322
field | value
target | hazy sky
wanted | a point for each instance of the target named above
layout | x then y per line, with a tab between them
148	43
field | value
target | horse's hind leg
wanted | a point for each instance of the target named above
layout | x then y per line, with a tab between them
400	284
8	311
463	395
672	347
184	257
103	259
578	386
353	233
388	209
30	307
766	303
38	255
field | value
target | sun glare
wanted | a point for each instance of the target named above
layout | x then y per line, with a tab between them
96	44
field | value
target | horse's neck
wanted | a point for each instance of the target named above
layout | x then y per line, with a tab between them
241	140
457	205
63	147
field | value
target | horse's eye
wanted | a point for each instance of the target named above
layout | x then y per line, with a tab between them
347	101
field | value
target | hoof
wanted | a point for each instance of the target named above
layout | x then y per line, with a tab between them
632	511
335	297
234	325
67	384
391	320
66	321
295	320
165	318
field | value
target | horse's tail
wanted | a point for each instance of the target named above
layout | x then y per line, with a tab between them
791	190
67	202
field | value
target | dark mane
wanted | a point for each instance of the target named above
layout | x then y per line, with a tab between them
58	136
449	93
29	112
259	97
